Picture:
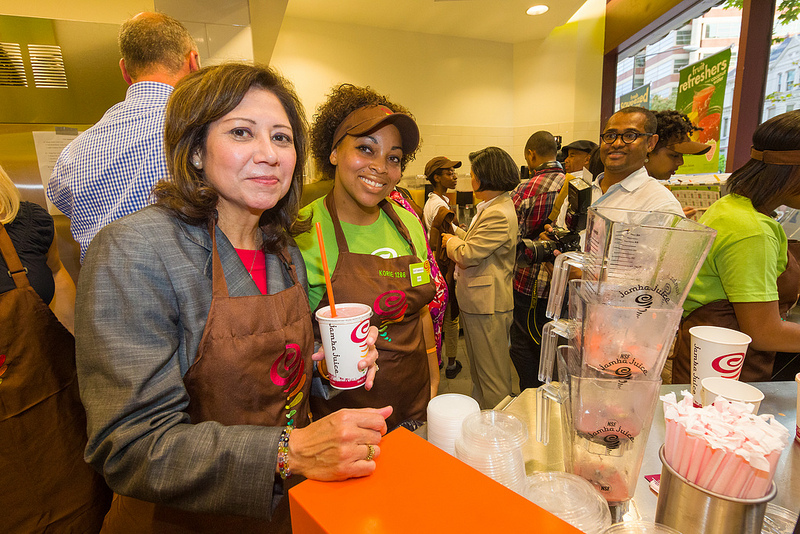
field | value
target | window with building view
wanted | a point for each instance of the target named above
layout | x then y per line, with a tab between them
692	41
660	62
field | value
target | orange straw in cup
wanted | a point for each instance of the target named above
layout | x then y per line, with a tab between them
325	270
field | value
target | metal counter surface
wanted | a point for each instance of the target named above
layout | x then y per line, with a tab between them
780	399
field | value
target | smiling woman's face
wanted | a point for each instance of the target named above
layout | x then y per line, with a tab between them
249	156
367	168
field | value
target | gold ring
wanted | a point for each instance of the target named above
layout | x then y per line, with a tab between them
376	367
371	453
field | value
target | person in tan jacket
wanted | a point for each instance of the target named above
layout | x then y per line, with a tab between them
485	255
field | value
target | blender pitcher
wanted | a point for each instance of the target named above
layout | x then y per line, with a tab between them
611	339
636	258
605	424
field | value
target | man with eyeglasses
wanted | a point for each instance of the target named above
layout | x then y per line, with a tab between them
629	135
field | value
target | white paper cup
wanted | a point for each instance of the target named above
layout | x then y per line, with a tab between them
716	351
797	413
732	390
344	342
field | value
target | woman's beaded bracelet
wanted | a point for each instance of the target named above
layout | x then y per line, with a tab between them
283	453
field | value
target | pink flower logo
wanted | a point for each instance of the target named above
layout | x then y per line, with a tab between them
392	305
729	365
291	363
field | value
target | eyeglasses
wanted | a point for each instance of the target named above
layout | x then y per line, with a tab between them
627	137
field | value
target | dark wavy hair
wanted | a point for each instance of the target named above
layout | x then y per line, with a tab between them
673	127
766	184
202	98
495	169
341	102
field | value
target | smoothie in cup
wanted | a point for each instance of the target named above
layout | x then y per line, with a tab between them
344	342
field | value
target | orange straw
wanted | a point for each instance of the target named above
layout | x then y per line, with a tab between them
325	270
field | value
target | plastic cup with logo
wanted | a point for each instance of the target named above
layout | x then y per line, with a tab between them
344	342
716	351
732	390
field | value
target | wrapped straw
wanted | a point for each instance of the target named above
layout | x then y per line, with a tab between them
723	447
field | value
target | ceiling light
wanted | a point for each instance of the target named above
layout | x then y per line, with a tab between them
537	10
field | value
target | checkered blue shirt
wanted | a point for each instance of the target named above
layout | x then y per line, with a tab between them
109	170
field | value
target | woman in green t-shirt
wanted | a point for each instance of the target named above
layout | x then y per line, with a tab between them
375	249
749	281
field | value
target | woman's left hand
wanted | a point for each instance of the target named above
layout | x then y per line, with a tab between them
370	361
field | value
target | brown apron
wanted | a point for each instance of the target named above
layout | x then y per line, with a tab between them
757	364
45	485
403	381
253	367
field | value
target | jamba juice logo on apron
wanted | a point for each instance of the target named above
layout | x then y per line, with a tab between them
391	306
729	365
291	364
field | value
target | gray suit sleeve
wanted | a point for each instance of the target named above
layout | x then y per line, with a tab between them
140	305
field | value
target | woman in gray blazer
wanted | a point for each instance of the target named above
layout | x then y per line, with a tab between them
194	339
485	256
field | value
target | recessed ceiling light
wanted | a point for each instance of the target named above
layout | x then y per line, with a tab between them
537	10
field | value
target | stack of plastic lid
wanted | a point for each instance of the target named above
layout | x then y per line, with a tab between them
446	413
571	498
778	520
491	442
640	527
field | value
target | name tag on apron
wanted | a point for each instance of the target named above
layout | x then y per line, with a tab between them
420	273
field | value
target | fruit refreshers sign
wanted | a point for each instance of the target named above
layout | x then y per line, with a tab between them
701	95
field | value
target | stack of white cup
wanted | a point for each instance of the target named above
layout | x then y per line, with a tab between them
445	415
491	442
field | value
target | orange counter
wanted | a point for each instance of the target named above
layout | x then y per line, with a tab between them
416	488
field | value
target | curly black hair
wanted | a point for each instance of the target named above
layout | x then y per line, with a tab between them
673	127
341	102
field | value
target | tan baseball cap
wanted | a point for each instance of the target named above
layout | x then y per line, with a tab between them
440	162
690	147
368	118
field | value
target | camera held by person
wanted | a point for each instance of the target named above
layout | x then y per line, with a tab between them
564	239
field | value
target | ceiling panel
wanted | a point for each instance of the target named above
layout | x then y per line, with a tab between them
494	20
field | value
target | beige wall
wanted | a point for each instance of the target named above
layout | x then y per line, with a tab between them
465	93
557	81
459	90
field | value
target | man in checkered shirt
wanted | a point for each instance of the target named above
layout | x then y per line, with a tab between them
109	170
534	201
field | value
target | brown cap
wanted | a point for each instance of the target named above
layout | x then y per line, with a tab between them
440	162
690	147
368	118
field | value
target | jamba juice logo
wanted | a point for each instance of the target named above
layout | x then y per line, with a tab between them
391	306
291	364
729	365
359	336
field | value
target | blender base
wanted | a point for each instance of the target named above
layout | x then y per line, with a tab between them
624	511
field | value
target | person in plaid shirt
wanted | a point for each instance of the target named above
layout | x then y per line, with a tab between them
534	201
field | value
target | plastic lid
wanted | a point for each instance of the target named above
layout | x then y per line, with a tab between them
495	429
778	520
571	498
640	527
